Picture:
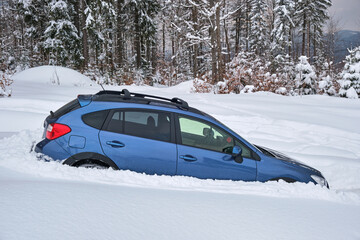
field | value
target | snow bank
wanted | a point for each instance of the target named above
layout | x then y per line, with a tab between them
53	75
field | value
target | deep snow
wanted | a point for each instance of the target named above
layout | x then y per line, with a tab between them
47	200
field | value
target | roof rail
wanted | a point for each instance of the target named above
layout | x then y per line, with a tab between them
125	94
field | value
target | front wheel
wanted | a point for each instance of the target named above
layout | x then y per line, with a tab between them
286	179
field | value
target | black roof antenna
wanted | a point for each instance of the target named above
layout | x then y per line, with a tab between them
102	87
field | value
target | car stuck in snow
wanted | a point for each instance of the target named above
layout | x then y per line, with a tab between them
155	135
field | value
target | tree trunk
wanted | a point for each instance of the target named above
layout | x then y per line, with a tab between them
137	42
195	47
227	42
304	36
173	52
218	47
237	34
153	58
213	45
85	49
1	31
314	42
290	42
308	39
247	22
163	40
120	34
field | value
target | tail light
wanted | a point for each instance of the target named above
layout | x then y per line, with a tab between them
56	130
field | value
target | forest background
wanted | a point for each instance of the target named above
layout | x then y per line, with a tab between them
225	46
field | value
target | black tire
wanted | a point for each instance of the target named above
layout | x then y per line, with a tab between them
286	179
89	163
90	158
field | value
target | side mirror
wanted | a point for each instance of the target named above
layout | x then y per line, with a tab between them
236	153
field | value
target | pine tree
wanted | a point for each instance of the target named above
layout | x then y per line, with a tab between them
351	75
100	19
311	15
317	21
259	35
143	13
61	36
281	35
305	80
241	20
325	76
35	17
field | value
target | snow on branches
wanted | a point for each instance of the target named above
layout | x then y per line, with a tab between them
350	83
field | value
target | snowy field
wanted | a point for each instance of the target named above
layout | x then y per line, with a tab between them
40	200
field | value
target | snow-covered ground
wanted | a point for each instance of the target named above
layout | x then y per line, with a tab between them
40	200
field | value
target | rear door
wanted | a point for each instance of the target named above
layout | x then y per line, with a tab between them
204	151
140	140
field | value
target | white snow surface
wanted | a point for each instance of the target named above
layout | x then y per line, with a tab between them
53	75
48	200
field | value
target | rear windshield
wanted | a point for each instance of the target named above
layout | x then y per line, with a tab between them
71	106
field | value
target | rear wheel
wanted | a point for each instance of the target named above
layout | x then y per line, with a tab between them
89	163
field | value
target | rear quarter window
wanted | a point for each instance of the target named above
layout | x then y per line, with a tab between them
95	119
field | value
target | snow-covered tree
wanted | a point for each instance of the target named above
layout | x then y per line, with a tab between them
350	84
305	80
281	35
100	18
259	33
142	15
311	15
35	15
326	86
61	36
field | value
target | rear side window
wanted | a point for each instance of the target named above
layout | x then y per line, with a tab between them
95	119
71	106
145	124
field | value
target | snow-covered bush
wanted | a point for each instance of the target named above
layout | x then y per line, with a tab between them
202	86
305	80
248	89
166	74
246	69
350	83
5	82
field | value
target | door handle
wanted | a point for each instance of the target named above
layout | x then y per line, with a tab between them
115	144
188	158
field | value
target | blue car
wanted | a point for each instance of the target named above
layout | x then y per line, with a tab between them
156	135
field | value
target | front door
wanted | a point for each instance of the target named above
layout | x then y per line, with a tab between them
205	152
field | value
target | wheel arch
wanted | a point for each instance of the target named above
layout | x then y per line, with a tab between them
74	159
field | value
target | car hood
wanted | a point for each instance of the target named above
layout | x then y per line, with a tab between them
278	155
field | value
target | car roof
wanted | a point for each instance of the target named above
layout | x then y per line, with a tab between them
125	96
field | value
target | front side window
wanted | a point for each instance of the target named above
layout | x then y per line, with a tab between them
246	152
146	124
200	134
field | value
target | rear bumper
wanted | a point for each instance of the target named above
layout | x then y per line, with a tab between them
52	149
